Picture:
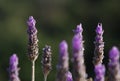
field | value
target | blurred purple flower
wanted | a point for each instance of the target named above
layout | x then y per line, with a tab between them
113	65
77	43
63	48
63	64
79	71
114	54
69	76
13	68
99	72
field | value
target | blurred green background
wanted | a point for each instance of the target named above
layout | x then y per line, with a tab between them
55	21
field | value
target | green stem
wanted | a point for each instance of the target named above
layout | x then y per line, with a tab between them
33	70
45	77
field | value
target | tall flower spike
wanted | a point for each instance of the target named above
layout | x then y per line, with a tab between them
79	70
99	45
63	62
33	40
13	68
113	65
99	72
33	44
46	61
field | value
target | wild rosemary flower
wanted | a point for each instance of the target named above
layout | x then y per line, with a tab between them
13	68
99	45
33	40
46	61
114	66
99	72
79	71
63	64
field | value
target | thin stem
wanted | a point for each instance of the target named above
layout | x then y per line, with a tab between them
45	77
33	70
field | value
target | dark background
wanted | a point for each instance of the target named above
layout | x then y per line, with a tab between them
55	21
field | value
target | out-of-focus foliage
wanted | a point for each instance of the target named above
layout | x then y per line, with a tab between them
55	21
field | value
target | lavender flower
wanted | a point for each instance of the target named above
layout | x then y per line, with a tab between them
114	66
13	68
33	44
63	62
46	61
69	76
99	72
99	45
79	71
33	40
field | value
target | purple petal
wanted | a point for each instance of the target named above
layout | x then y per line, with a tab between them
69	76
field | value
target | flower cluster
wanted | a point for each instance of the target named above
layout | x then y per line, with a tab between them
114	65
78	70
79	73
100	72
13	68
33	40
99	45
63	62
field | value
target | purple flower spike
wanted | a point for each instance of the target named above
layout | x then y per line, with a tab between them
63	62
69	76
113	65
99	45
33	40
99	72
13	68
79	71
46	60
